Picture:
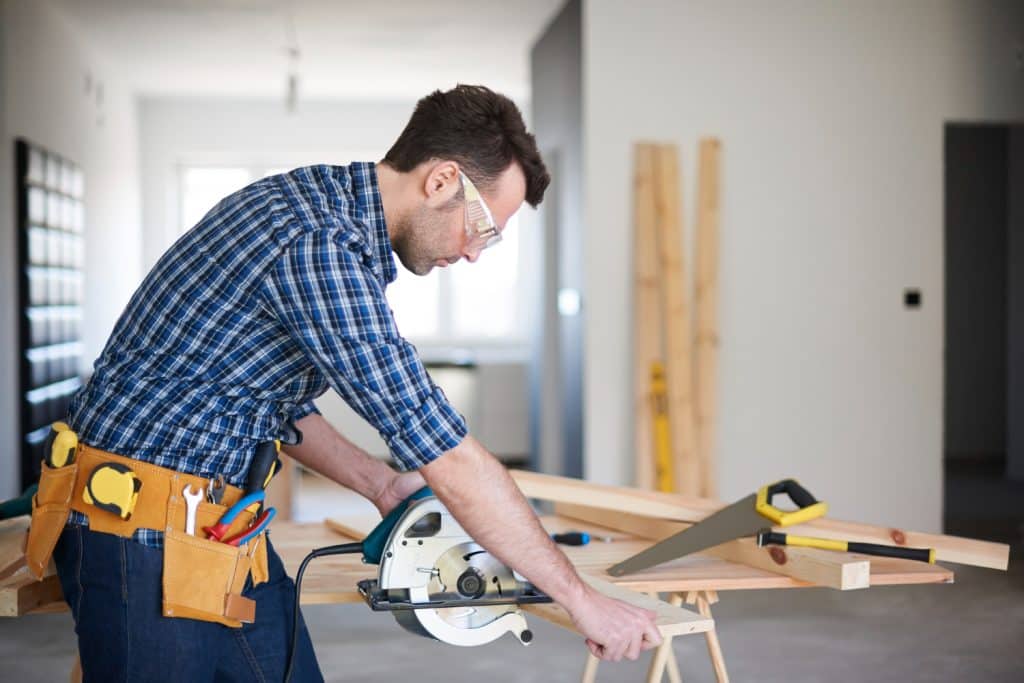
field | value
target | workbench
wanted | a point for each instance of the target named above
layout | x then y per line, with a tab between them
695	579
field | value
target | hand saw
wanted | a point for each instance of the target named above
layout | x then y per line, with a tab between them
746	517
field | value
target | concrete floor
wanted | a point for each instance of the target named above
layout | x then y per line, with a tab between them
970	631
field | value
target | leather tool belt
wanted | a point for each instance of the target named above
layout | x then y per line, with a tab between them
202	579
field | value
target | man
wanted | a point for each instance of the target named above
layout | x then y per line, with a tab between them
272	297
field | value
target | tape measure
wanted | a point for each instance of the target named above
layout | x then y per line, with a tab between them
61	444
113	487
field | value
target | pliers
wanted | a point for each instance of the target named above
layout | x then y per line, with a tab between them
217	531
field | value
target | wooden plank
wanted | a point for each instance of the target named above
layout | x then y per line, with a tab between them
21	593
676	318
692	509
354	527
671	620
647	327
706	304
947	548
645	503
841	571
12	545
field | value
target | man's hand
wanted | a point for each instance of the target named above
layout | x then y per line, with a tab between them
613	629
398	488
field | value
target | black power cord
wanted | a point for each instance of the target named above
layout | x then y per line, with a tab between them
342	549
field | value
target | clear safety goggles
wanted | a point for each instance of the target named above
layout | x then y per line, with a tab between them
481	229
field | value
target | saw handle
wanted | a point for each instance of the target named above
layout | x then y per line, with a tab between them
808	507
373	544
769	537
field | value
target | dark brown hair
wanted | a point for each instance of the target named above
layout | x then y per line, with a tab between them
477	128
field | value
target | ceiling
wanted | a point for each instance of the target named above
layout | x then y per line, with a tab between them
389	49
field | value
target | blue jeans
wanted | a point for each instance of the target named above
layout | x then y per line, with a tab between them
113	587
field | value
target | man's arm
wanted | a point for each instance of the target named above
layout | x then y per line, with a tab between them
481	495
326	451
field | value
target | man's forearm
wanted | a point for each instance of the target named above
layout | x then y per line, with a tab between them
326	451
479	492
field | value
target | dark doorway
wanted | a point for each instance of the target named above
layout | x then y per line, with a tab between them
983	439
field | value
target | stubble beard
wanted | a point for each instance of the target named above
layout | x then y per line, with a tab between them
417	248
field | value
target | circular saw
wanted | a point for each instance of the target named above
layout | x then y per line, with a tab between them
438	582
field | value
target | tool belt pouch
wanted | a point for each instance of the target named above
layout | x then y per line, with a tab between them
204	579
50	507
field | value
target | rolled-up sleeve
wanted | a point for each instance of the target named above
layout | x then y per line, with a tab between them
333	306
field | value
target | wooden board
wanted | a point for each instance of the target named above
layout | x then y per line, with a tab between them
21	593
12	545
841	571
647	327
671	620
692	509
636	501
675	315
705	295
947	548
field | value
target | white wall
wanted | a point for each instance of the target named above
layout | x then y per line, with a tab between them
831	116
45	99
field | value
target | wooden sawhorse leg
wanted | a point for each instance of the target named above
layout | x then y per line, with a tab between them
664	659
704	600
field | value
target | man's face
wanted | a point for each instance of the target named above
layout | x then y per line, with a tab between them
436	235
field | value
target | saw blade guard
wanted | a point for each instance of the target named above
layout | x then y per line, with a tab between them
429	556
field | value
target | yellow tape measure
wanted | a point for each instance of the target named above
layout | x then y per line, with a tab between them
113	487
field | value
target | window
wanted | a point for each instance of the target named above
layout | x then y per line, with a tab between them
465	305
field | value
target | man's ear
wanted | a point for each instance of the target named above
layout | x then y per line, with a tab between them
441	183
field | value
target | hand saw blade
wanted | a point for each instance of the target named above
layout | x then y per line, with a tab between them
735	521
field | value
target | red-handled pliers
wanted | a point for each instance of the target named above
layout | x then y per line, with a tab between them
261	523
217	531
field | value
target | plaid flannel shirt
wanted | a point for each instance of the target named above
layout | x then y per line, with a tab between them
276	294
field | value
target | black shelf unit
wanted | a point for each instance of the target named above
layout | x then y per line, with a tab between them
50	292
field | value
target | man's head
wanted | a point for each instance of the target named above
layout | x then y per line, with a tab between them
471	133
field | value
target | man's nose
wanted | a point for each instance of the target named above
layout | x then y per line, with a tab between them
471	254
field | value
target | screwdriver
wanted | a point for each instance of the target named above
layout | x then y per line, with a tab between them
571	538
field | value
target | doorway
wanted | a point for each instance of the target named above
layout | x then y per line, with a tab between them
983	440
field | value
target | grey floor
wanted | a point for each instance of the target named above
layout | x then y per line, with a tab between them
970	631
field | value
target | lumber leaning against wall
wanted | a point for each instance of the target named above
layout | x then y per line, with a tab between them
706	304
646	326
675	315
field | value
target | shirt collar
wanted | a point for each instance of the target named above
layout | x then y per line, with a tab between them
366	192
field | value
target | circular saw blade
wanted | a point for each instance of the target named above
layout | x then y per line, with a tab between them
498	583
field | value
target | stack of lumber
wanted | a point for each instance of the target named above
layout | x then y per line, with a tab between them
680	456
655	515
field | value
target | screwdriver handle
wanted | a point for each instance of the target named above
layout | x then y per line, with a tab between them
571	538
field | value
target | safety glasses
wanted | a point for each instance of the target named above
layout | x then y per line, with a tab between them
481	229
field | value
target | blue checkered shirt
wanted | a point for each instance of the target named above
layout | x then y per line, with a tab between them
276	294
